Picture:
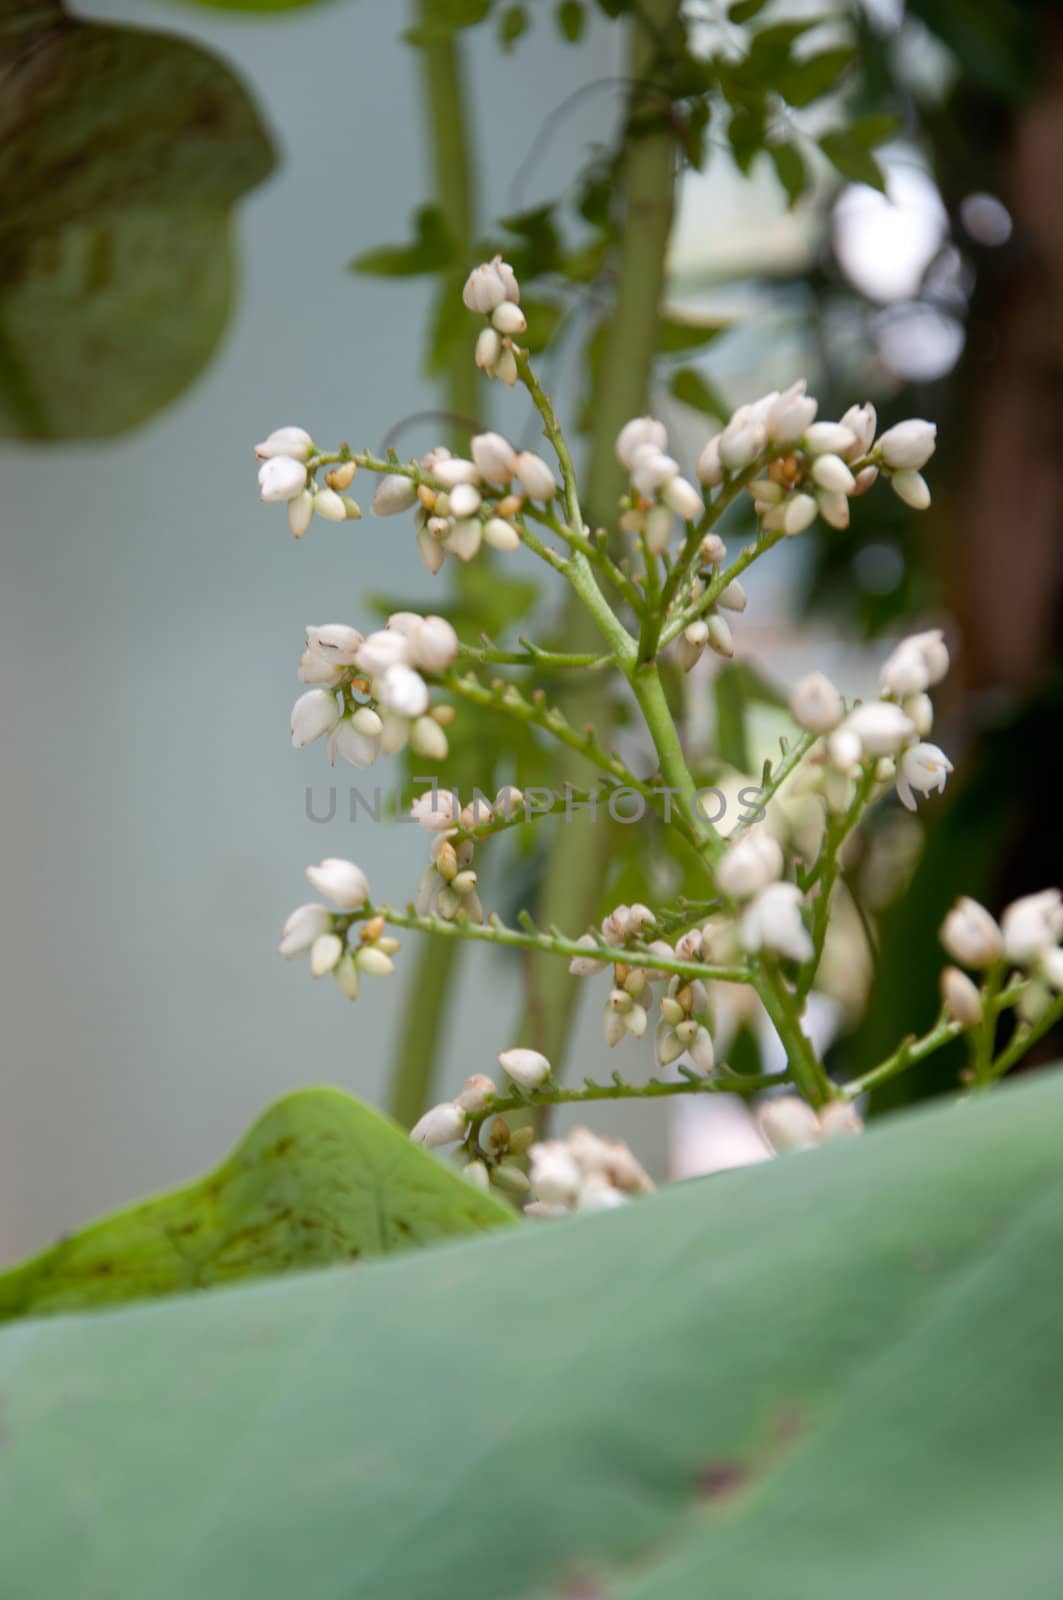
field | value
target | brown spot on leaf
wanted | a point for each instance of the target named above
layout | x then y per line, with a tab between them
722	1480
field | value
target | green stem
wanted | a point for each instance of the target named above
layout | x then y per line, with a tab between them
733	1083
907	1054
784	1009
1026	1036
826	870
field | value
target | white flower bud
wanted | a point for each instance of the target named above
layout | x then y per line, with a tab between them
506	369
494	456
428	739
960	997
920	708
281	478
586	966
912	488
555	1174
799	512
509	318
476	1173
313	715
690	646
477	1092
742	440
719	637
453	470
348	979
682	497
710	467
749	865
1032	925
658	525
844	750
1051	966
300	512
816	704
833	508
305	925
500	535
394	493
384	648
528	1068
667	1044
484	289
464	538
534	476
861	422
432	644
831	438
839	1120
341	882
788	1123
922	768
328	504
377	963
325	951
357	738
402	690
831	473
701	1051
909	445
635	434
441	1125
773	922
734	597
436	810
430	551
464	500
790	413
652	469
488	349
598	1194
882	728
294	442
335	642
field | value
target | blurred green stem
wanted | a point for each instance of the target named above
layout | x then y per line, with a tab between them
434	979
571	884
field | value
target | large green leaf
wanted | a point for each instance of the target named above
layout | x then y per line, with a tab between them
833	1376
319	1178
122	154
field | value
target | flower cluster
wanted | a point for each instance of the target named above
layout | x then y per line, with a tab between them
788	1123
370	696
1027	937
336	944
492	289
288	476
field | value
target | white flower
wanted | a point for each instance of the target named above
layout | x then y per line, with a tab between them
402	690
660	520
923	768
909	445
477	1092
832	438
861	422
378	651
500	535
505	368
430	551
971	935
300	512
917	663
636	433
441	1125
788	1123
294	442
509	319
488	350
281	478
652	469
452	470
598	1194
341	882
431	643
833	508
709	467
348	978
790	413
534	476
488	285
463	538
773	922
528	1068
586	966
325	951
335	642
960	997
494	456
912	488
330	505
313	715
428	739
357	738
555	1174
437	811
816	704
1033	925
882	728
839	1120
683	499
831	473
305	925
394	493
749	865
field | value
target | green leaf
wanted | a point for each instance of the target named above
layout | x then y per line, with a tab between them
833	1375
790	170
745	135
876	128
571	20
745	10
512	23
807	80
432	249
123	155
690	387
676	334
320	1177
852	159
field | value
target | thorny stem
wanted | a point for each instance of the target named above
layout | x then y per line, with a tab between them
532	655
